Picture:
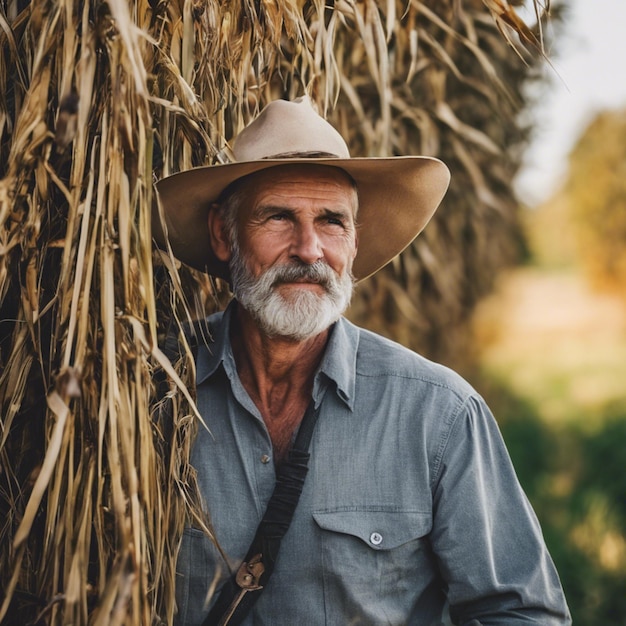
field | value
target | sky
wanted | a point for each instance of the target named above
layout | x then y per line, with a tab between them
589	76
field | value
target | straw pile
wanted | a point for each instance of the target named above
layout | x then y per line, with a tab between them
97	100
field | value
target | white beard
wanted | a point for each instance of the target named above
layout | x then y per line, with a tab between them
301	314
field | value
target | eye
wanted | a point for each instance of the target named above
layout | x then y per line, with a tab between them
278	217
337	220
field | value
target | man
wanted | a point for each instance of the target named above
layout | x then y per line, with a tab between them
411	512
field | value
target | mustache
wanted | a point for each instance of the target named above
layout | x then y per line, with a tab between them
318	272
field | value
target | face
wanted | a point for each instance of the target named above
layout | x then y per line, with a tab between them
292	254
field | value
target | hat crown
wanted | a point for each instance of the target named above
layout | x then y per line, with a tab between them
288	128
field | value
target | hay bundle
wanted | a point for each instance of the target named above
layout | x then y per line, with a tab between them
97	99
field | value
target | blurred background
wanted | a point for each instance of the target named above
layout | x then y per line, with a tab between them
551	340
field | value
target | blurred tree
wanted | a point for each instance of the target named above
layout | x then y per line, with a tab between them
596	193
541	224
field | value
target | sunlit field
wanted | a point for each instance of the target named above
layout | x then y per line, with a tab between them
553	367
553	340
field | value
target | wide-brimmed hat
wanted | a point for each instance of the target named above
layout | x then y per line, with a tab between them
397	195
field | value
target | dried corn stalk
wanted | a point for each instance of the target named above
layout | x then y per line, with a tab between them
97	99
451	88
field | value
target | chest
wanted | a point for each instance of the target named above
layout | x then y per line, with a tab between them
364	514
369	457
282	425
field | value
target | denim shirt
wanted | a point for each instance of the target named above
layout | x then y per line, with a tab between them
411	512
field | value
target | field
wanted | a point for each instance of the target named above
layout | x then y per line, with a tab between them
553	367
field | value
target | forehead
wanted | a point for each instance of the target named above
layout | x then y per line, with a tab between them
293	182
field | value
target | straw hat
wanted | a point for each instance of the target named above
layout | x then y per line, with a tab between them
397	195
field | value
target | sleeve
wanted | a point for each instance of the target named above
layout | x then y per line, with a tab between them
485	534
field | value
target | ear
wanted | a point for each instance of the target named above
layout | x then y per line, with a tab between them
220	242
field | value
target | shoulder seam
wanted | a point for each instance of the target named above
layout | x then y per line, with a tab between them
445	439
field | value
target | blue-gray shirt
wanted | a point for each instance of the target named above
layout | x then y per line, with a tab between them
411	507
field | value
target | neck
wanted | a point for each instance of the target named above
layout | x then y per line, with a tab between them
277	373
267	362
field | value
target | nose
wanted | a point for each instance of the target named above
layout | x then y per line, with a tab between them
306	244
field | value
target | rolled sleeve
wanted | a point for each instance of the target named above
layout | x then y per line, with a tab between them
485	536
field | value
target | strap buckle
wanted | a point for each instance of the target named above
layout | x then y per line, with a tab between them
250	572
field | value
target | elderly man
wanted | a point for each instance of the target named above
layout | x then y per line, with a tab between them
411	512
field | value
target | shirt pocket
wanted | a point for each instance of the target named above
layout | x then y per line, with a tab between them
373	547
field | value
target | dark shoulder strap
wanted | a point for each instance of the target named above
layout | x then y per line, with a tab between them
242	590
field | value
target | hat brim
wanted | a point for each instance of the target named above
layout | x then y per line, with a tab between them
397	198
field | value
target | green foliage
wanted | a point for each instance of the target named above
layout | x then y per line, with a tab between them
574	476
596	192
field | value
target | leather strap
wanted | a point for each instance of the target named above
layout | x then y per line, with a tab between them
243	589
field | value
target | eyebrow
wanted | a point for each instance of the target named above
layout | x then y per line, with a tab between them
343	214
269	209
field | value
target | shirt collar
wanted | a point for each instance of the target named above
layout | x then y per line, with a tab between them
338	363
218	349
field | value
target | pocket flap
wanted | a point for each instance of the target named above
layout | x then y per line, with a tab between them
379	529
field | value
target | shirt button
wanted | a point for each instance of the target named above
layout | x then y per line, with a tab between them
376	539
265	459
